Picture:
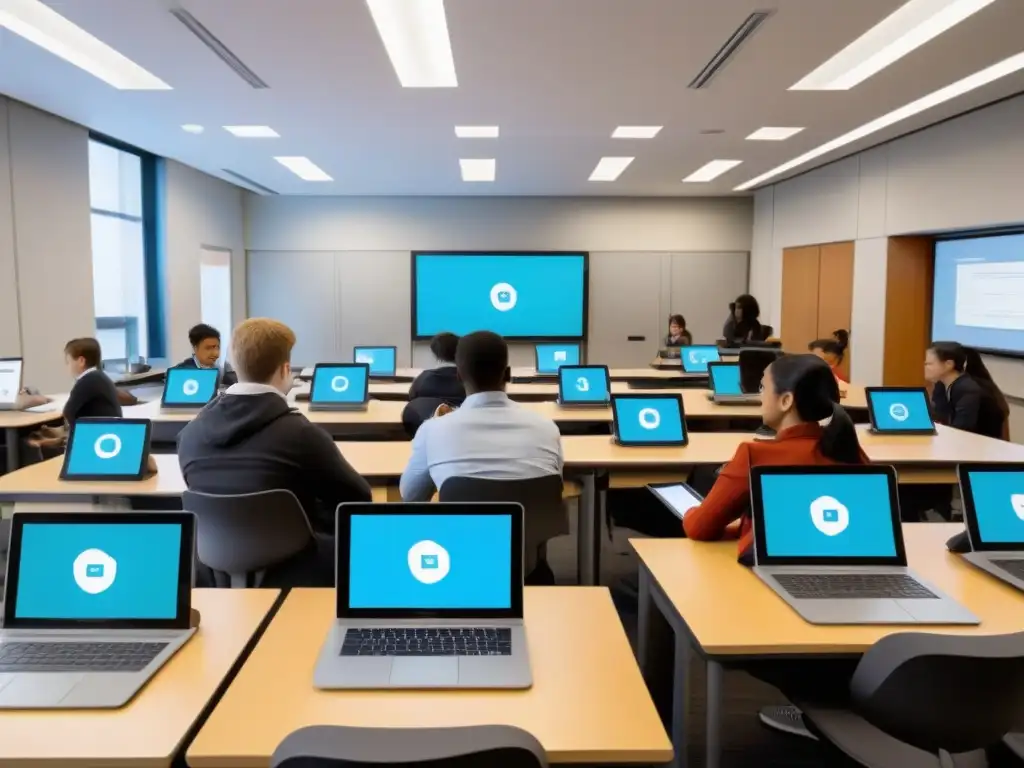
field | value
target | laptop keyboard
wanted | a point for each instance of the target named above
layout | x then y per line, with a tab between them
77	657
857	586
427	642
1012	567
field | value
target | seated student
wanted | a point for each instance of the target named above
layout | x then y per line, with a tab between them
678	336
832	351
205	341
743	324
436	386
959	398
250	440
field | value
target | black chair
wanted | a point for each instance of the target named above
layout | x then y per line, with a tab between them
917	699
240	536
752	365
544	517
478	746
418	411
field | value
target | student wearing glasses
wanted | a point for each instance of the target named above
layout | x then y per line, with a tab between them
678	336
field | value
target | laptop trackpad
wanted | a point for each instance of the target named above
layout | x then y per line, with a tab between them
37	690
425	672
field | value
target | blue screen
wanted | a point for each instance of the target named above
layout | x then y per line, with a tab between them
380	359
725	379
429	561
98	571
696	359
896	410
551	357
109	448
640	420
528	295
978	295
999	506
190	386
827	516
339	384
583	385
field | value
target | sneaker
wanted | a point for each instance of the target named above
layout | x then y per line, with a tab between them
787	719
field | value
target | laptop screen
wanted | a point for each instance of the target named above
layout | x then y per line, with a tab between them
339	384
583	384
725	378
653	420
995	508
899	410
382	360
190	386
10	380
550	357
696	359
106	448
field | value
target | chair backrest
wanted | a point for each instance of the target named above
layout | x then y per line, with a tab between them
418	411
478	746
942	692
752	365
544	513
242	535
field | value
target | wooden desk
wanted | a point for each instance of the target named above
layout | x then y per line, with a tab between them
588	702
738	618
151	728
12	422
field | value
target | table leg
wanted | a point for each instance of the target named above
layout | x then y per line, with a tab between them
664	658
586	520
713	745
680	701
13	444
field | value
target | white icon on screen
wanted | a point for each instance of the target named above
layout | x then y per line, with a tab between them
649	418
190	387
107	446
364	358
94	571
429	562
899	411
582	384
695	357
829	515
1017	502
339	383
560	356
503	297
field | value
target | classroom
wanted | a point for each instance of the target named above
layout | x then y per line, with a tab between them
464	383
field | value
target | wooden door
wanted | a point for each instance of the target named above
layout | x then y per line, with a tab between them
908	310
800	279
835	295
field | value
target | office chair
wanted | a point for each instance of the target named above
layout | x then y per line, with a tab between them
240	536
418	411
544	515
477	746
752	365
917	699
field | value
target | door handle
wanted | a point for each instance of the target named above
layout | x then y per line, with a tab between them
636	338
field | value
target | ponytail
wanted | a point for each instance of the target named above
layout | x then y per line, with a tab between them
839	438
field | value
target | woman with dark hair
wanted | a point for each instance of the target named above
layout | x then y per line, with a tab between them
744	325
979	372
960	398
434	387
832	351
678	336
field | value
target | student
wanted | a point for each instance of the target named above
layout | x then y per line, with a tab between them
832	351
980	373
205	341
250	440
678	336
93	394
959	399
743	324
435	387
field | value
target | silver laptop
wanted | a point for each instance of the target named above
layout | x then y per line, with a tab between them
726	388
828	541
429	596
993	496
10	383
340	387
94	604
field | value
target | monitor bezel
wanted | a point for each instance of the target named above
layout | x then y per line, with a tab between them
963	472
21	379
394	356
202	372
366	389
676	396
131	477
871	411
536	355
682	357
604	403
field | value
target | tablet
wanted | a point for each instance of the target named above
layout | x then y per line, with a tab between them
679	498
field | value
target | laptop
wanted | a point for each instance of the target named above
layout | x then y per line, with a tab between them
726	387
381	360
94	604
695	359
678	498
107	449
551	357
993	496
429	596
643	420
340	387
186	388
584	386
899	411
828	541
10	382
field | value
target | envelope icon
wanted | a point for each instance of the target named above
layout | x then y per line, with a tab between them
1017	502
428	561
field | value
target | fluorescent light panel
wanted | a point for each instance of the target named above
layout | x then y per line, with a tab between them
252	131
610	168
478	169
192	128
933	99
769	133
906	29
415	35
476	131
636	131
43	26
712	170
304	168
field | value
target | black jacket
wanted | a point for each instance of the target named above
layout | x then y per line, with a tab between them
685	340
93	396
226	376
967	406
250	443
429	390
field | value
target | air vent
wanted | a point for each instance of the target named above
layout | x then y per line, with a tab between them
732	45
212	42
712	131
247	182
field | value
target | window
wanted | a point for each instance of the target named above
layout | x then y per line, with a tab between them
125	278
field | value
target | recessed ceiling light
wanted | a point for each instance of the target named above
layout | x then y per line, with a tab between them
304	168
192	128
773	134
43	26
476	131
415	36
478	169
712	170
636	131
252	131
610	168
905	29
933	99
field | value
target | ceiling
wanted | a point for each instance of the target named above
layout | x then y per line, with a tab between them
557	76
